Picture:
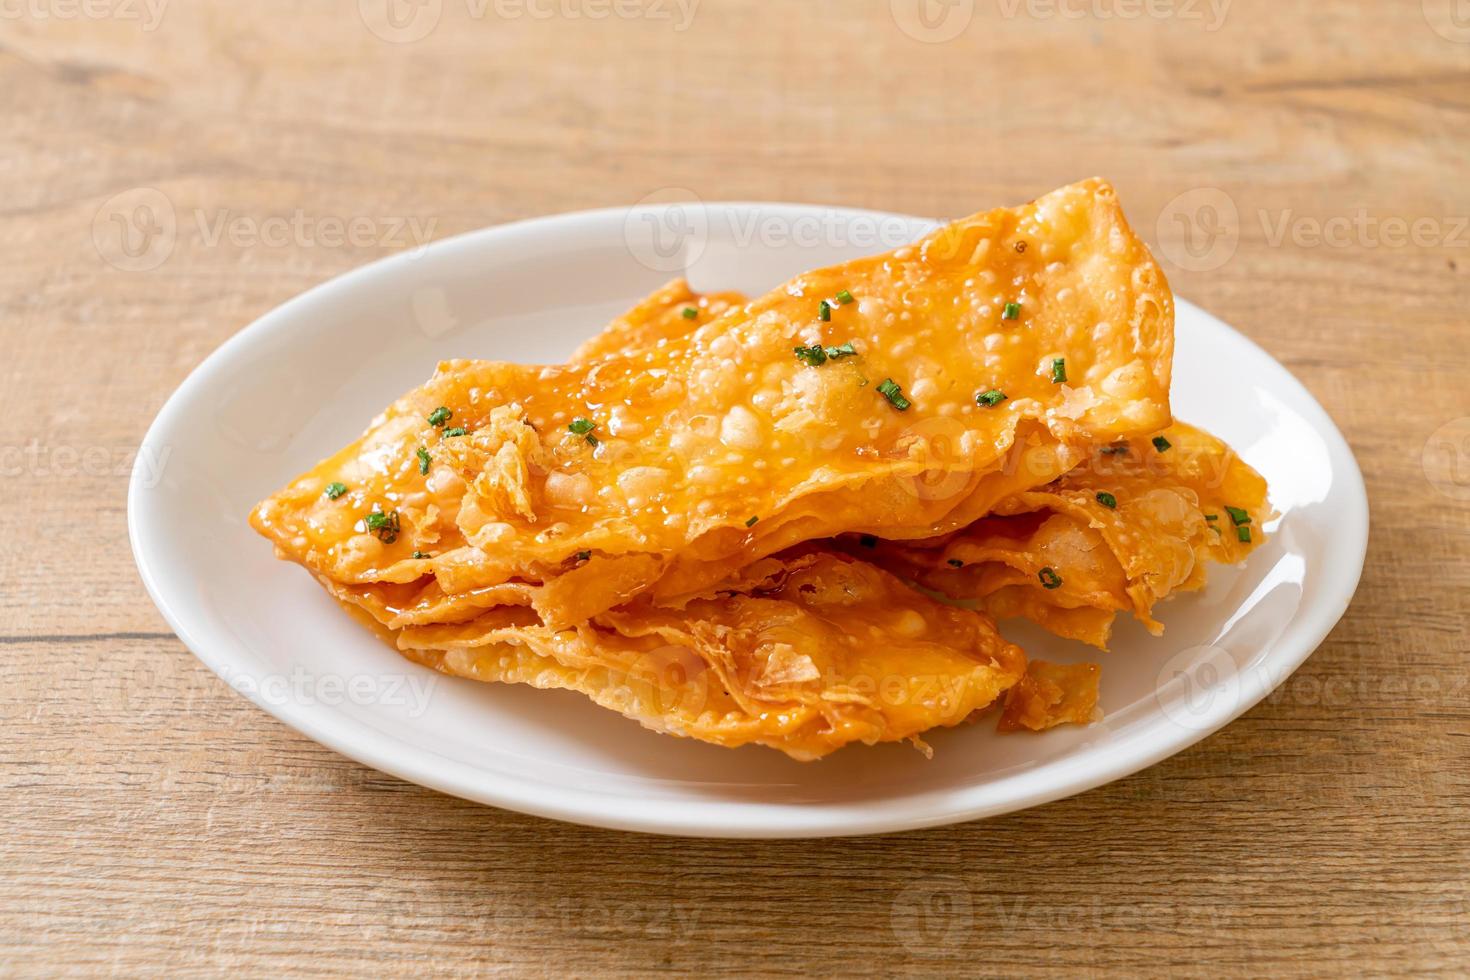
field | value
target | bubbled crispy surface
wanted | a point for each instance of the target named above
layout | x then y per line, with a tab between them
702	432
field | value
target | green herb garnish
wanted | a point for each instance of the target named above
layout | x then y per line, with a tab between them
439	416
890	390
455	432
583	428
1049	578
583	555
1058	370
990	398
1161	444
335	490
1114	450
844	297
1237	516
1212	517
751	522
812	356
1011	312
383	526
1107	500
817	355
420	554
423	455
690	313
1243	534
824	311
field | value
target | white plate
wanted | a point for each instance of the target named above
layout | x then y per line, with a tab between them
306	378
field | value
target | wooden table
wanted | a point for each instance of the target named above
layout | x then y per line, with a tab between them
1302	170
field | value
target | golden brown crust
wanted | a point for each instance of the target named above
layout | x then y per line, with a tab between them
1168	513
819	652
658	556
703	432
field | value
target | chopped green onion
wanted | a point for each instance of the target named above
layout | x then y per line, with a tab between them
423	455
439	416
812	356
1237	516
956	563
1243	534
844	297
420	554
1011	312
1161	444
454	432
690	313
583	428
335	490
1049	578
824	311
383	526
583	555
1212	517
868	541
1114	450
1058	370
1107	500
751	522
990	398
890	390
817	355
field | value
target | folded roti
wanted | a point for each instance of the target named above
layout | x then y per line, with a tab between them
1125	530
662	470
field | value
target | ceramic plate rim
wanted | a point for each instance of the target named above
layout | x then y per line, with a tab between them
1308	626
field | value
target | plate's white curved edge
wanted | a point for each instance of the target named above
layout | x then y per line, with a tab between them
764	820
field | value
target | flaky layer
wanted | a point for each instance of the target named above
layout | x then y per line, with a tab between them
814	652
1136	523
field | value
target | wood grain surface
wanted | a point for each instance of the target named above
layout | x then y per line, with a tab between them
1301	169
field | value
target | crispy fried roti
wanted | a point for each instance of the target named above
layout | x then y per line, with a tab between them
1152	543
814	651
670	311
1051	695
844	401
1135	524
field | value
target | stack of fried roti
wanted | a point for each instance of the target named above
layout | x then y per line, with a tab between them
790	520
